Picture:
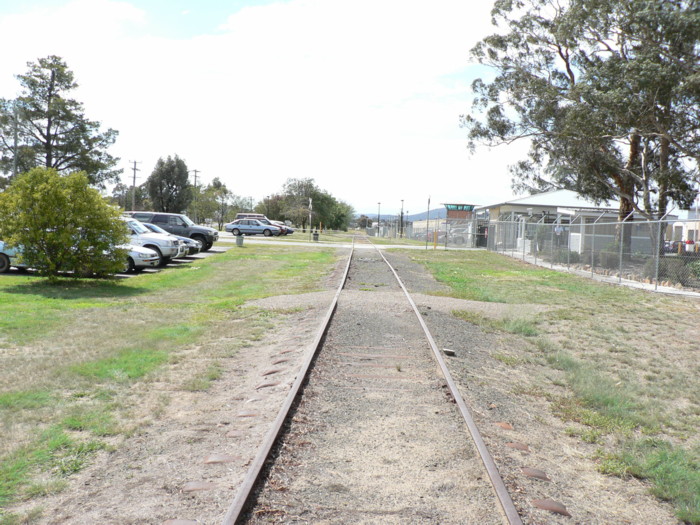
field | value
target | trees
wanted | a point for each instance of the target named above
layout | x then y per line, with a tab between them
43	127
168	186
61	224
605	90
325	209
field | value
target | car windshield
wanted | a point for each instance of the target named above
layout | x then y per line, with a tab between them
187	220
138	227
155	228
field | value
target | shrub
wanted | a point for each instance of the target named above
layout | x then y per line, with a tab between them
609	257
671	269
562	255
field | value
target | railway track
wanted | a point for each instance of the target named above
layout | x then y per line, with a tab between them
381	434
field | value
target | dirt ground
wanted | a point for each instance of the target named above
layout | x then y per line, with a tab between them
185	466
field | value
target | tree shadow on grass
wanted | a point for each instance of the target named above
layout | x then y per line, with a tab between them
72	288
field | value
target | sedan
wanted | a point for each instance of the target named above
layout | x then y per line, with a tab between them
139	258
252	227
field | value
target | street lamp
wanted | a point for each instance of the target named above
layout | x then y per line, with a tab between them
379	207
401	223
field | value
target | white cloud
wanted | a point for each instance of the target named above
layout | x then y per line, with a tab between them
361	95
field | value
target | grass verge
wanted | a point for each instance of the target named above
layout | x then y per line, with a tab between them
610	346
85	352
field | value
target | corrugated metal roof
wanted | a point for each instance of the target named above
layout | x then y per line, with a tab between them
556	198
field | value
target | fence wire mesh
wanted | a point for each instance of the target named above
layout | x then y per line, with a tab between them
656	252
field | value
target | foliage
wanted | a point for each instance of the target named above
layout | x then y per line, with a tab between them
605	90
215	202
52	130
671	269
168	186
609	257
565	256
130	198
61	224
325	210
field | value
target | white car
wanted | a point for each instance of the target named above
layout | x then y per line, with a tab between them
139	258
166	246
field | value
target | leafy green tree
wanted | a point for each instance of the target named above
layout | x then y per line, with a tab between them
273	207
341	216
130	198
606	91
62	224
168	186
299	194
51	129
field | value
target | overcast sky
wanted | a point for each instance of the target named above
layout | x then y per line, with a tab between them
363	96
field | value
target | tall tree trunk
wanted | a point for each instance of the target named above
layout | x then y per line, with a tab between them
624	231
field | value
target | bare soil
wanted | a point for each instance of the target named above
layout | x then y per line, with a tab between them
188	458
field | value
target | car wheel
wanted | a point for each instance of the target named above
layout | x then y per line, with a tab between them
267	233
236	231
4	263
203	241
160	255
129	265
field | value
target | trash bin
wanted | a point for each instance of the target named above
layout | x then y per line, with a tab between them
316	236
239	240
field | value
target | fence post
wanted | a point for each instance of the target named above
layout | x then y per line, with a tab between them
551	248
658	257
622	236
593	249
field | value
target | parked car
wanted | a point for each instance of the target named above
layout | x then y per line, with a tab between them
137	258
8	258
191	245
178	224
252	227
166	246
286	230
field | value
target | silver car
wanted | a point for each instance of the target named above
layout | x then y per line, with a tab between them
252	227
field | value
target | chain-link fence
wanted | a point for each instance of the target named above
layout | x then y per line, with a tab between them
658	252
451	233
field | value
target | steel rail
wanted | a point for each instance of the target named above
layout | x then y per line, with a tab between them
506	502
239	502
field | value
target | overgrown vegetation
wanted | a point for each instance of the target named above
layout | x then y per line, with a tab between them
612	349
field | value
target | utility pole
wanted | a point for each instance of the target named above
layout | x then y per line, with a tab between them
14	153
133	186
401	225
195	194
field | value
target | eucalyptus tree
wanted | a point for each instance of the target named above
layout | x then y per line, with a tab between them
168	186
607	93
43	127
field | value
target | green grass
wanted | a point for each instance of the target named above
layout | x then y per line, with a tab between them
521	326
602	344
127	365
27	399
672	470
101	341
203	381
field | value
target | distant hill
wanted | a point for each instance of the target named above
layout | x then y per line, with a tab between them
439	213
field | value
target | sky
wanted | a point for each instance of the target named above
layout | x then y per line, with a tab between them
363	96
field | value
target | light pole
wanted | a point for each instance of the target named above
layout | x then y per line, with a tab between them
379	207
401	223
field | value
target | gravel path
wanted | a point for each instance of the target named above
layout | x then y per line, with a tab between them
375	439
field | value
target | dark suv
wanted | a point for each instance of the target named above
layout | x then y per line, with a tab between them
178	224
